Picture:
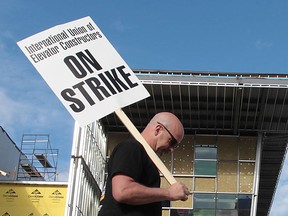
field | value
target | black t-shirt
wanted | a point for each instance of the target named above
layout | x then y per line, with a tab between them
130	158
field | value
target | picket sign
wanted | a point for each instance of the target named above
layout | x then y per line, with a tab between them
137	135
88	75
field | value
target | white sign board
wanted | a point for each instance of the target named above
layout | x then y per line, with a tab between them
83	69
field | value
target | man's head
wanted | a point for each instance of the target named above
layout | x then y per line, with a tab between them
164	132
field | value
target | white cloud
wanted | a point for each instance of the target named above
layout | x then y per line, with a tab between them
261	44
280	202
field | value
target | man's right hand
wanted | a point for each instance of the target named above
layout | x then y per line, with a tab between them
178	191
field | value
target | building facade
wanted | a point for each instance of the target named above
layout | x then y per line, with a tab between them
235	140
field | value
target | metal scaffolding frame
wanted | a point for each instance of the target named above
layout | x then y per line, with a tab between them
38	161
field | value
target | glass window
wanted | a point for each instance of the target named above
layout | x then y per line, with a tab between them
205	152
244	202
227	212
204	212
204	201
205	167
205	160
181	212
226	201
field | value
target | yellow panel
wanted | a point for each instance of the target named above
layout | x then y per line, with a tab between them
166	159
164	183
205	184
227	177
246	177
165	212
227	148
188	203
183	157
188	181
248	148
205	140
16	199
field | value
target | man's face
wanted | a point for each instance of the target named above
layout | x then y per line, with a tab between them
169	142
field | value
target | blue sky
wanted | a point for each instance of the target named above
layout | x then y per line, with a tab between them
224	36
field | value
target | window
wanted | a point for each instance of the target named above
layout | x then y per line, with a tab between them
206	212
244	205
204	201
181	212
244	202
206	160
226	201
222	204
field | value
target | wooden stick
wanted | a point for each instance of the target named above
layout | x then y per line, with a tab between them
137	135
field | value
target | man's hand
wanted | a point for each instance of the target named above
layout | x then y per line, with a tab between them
178	191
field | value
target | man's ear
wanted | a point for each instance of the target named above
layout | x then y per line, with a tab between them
157	129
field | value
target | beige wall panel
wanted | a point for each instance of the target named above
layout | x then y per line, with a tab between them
188	181
183	157
227	177
165	212
166	159
248	148
246	177
114	139
205	184
205	140
227	148
164	183
183	204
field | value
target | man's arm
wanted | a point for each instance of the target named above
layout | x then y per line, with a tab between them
126	190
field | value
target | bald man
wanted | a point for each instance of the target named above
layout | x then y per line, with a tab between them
133	183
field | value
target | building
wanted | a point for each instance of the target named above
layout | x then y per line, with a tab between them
28	174
236	133
9	157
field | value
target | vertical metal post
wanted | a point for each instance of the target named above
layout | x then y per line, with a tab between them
256	175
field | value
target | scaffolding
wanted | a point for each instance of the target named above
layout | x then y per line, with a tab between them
38	161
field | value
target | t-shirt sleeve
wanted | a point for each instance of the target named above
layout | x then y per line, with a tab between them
127	159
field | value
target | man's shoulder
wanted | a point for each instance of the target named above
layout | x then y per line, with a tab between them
129	145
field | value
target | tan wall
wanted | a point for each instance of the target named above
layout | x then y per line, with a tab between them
32	199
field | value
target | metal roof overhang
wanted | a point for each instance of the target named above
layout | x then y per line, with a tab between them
220	103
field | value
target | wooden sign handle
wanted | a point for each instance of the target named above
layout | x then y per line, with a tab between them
137	135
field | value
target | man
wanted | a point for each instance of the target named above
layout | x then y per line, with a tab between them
133	183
